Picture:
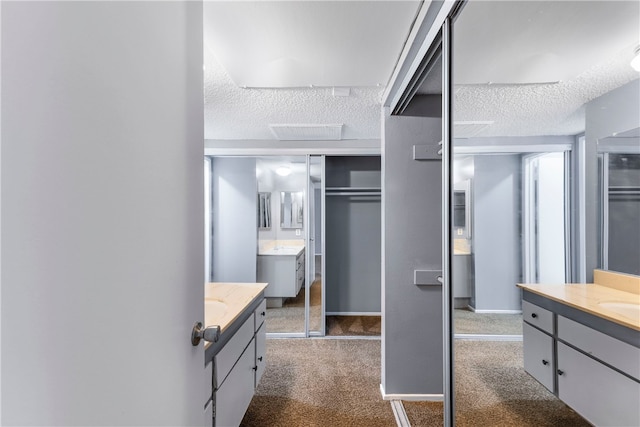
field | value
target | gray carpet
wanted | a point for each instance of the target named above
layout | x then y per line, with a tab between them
492	389
290	317
468	322
335	382
320	382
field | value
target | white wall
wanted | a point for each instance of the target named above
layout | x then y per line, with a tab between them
551	218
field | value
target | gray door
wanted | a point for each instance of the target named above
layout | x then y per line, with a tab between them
102	213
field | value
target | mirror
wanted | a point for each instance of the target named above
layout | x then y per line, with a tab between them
291	209
620	202
264	210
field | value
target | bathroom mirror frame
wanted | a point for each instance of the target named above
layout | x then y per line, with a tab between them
264	210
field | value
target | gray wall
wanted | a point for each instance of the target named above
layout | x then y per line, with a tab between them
616	111
353	237
235	240
353	254
496	227
317	206
412	239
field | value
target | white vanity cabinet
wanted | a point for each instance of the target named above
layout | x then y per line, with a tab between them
238	366
284	273
600	394
592	371
538	355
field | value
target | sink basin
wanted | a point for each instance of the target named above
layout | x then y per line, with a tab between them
626	309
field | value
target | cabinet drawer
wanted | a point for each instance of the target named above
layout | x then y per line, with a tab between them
234	396
538	355
614	352
232	350
261	353
537	316
260	314
601	395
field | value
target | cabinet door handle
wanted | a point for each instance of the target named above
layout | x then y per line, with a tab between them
560	372
544	362
263	314
534	315
260	359
255	368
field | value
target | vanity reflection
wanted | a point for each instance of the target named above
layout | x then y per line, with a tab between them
261	221
555	203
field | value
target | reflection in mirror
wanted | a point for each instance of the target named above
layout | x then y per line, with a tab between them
314	275
621	212
529	76
264	210
281	248
291	209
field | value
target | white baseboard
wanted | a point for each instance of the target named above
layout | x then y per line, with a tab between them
353	313
487	337
494	311
412	397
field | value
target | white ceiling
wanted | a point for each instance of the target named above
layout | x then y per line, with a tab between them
586	46
545	60
281	48
304	43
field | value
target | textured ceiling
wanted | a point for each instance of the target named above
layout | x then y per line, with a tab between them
599	62
586	46
232	112
278	49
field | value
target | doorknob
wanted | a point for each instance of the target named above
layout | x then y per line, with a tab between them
212	333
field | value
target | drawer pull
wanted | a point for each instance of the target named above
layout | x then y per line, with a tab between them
560	372
260	359
534	315
544	362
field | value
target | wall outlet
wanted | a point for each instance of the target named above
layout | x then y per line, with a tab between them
297	232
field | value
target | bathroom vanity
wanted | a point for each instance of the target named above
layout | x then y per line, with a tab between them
237	360
582	342
282	265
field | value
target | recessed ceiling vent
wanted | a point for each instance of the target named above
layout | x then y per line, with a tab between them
307	132
467	129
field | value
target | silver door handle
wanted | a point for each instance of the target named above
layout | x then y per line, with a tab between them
211	334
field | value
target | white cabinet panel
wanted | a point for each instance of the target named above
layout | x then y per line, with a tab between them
601	395
537	316
261	353
616	353
538	355
282	273
232	350
235	394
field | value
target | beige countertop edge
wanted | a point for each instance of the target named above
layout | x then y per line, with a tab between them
236	297
586	297
272	252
